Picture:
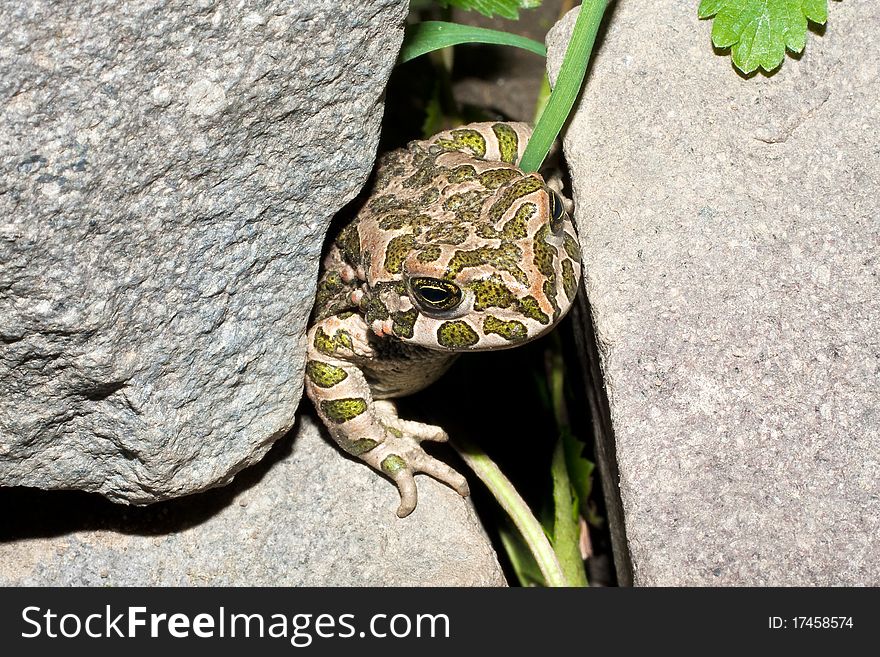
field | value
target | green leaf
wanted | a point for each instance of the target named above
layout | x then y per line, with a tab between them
521	558
709	8
504	8
758	32
421	38
816	10
566	529
568	85
580	470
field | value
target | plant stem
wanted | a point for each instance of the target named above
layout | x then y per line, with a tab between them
516	508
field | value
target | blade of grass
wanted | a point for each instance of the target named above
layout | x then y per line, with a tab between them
426	36
516	508
568	84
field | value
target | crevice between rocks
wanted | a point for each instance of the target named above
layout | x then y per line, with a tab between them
603	434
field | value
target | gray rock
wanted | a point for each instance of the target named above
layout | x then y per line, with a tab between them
167	173
730	230
259	531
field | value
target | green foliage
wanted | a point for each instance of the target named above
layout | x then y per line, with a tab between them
566	525
504	8
427	36
537	548
759	31
568	84
572	484
580	472
564	518
521	557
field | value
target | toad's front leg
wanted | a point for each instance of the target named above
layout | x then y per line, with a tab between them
368	429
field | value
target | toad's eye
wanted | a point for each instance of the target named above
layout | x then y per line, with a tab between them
557	211
434	294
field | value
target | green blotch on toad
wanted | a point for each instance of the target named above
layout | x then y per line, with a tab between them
491	293
509	330
343	410
324	374
328	345
362	446
470	140
508	142
392	464
456	334
398	249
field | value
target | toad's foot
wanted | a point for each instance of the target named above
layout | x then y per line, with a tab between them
400	456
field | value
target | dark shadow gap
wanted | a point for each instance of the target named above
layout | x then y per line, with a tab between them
603	435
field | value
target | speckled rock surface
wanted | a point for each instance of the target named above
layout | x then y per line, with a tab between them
258	531
167	173
730	230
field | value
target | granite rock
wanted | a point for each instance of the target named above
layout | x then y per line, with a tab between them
730	230
167	173
259	531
